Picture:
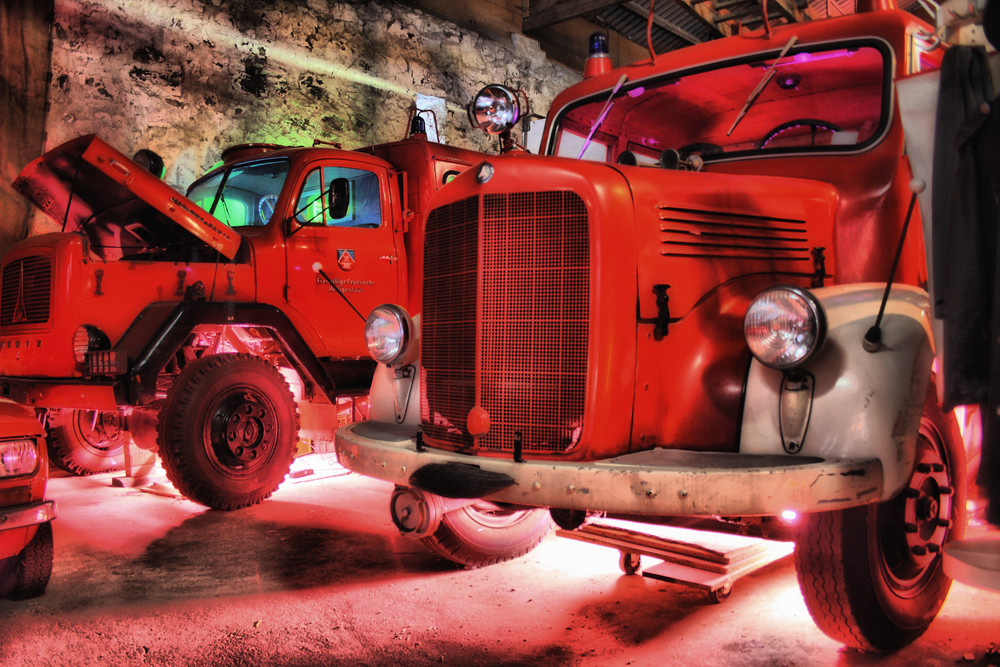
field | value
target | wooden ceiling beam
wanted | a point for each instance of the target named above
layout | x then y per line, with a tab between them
542	13
787	9
705	12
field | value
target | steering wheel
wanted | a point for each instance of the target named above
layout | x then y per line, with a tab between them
813	123
701	148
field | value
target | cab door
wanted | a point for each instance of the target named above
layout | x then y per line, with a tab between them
342	221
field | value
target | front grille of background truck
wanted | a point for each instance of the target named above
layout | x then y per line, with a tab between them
505	322
26	290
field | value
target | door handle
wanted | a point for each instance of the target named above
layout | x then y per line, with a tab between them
388	258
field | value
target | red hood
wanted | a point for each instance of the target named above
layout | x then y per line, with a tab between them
86	185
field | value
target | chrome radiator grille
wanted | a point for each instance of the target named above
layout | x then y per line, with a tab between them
506	320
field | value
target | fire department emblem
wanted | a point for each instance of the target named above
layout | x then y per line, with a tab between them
345	259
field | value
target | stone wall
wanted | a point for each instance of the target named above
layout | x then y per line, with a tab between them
186	78
24	64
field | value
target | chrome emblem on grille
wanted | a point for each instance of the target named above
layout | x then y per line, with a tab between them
20	313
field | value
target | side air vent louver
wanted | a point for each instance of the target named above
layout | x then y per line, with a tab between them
720	235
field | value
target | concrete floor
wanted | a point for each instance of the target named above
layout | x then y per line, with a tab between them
317	575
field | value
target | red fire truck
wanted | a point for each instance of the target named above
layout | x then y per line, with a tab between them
682	308
217	328
25	516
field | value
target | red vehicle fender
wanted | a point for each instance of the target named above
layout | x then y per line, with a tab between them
864	404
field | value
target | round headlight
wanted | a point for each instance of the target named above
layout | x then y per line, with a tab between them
388	333
88	338
784	326
495	109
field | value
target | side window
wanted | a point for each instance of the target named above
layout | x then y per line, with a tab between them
309	209
340	197
571	145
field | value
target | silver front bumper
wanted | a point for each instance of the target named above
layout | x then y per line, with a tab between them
22	516
657	482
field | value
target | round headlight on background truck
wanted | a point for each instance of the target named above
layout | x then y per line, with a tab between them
88	338
784	327
389	333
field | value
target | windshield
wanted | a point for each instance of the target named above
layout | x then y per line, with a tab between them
243	195
803	100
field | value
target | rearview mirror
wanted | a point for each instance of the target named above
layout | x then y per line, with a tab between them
338	198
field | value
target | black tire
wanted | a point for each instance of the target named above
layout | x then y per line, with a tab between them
484	534
33	566
871	576
227	431
86	442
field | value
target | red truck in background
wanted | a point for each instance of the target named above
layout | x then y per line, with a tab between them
217	328
681	309
25	516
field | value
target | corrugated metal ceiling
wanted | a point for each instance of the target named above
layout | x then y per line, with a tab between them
679	23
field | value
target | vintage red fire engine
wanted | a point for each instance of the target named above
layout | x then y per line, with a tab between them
25	516
675	312
212	326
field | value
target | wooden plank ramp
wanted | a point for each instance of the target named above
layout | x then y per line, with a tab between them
704	559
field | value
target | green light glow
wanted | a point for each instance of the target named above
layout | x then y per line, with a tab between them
232	213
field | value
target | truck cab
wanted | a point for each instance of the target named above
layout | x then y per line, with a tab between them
707	298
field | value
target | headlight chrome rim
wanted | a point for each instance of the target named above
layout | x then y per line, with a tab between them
389	333
784	327
495	109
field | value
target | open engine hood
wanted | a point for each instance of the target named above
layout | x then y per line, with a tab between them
86	185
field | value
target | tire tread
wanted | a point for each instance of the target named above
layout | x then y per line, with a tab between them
821	576
34	565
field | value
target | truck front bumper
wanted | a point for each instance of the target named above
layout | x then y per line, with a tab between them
658	482
24	516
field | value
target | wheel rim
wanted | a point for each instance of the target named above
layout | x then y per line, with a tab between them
915	528
98	431
241	432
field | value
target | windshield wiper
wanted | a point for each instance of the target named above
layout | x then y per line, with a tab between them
219	191
755	93
604	114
